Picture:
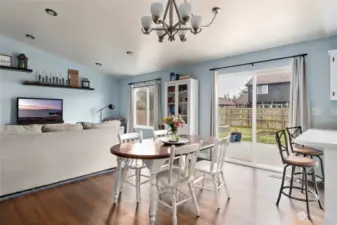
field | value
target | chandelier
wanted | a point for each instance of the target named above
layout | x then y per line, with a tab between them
169	26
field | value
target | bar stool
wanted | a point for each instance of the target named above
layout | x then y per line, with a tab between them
294	162
294	132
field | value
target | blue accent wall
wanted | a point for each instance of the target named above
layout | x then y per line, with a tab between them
78	105
318	72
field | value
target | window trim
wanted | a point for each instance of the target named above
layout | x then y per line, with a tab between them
148	116
262	89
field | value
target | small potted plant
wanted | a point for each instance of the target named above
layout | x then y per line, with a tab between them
174	123
235	136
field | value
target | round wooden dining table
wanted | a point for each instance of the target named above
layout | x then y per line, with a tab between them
154	153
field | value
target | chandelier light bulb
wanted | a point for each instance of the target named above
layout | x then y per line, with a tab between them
157	10
160	33
196	23
147	23
185	11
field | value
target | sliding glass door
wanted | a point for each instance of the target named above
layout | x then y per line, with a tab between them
252	106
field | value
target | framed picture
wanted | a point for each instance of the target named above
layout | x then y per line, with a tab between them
5	60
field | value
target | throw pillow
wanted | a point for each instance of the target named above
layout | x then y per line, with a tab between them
20	129
61	127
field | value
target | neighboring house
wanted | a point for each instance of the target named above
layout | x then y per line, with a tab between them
272	89
224	102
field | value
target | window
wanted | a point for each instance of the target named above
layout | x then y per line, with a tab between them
262	89
144	106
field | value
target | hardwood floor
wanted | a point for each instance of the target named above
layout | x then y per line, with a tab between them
89	202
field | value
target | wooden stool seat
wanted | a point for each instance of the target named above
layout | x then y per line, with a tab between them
307	151
300	161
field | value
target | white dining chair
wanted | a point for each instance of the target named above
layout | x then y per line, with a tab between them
214	170
177	176
159	133
134	164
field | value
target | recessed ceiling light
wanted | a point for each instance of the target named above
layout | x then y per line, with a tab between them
98	64
30	36
129	53
51	12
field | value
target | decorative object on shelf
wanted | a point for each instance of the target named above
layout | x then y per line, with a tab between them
174	123
168	25
22	61
177	76
110	106
172	76
85	83
5	60
184	77
73	78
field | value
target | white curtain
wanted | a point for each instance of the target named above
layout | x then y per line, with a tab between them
157	105
130	124
214	106
299	96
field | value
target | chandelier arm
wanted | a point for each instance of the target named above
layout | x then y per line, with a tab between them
177	11
166	10
144	32
210	23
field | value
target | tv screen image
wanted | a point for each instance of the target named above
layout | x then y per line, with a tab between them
33	110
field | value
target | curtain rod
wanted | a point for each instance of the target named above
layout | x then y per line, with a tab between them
262	61
144	81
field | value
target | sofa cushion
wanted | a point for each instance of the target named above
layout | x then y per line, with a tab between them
107	124
20	129
61	127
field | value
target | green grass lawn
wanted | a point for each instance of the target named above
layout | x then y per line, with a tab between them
265	136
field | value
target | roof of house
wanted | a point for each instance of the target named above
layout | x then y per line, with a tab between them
272	78
224	101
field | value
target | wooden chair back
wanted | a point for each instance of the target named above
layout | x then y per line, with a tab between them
282	143
130	137
187	156
219	154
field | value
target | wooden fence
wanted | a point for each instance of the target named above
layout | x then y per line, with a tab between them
267	118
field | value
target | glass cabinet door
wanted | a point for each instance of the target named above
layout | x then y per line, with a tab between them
171	99
183	102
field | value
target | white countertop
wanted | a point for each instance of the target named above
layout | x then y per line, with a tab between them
318	138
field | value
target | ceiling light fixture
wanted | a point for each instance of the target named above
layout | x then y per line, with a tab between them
30	36
51	12
98	64
170	28
129	53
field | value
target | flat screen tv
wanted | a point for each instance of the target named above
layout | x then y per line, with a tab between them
39	111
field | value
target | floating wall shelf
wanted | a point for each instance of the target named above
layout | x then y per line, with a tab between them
15	69
32	83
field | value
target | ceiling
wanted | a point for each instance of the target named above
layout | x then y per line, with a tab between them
87	31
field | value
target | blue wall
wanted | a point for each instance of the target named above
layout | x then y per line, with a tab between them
317	72
78	105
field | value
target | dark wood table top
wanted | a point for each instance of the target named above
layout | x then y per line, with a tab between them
155	149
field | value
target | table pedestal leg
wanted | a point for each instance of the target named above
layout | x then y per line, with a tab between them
153	166
117	182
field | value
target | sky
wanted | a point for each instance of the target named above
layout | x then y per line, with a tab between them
38	104
232	83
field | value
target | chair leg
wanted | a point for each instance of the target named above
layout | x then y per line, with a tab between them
174	206
138	185
302	184
225	185
215	188
292	180
281	188
315	186
194	198
203	181
322	167
306	191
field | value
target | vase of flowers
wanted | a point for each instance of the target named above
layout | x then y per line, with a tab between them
174	123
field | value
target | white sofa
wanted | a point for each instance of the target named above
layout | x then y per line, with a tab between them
33	159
